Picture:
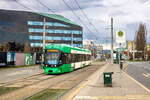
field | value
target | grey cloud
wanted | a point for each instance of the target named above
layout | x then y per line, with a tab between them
84	4
142	1
118	13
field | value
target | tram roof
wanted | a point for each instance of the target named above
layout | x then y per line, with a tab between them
66	48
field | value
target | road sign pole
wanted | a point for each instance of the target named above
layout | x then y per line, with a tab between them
120	59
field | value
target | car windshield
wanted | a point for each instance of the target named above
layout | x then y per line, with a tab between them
51	57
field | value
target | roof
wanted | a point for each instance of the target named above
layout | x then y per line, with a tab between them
58	17
65	48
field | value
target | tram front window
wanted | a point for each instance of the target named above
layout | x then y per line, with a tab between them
51	58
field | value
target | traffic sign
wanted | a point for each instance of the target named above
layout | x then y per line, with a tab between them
120	36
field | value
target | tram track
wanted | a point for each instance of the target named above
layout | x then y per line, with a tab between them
67	81
25	79
82	73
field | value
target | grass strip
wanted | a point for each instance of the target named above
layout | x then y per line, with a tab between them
48	94
4	90
99	60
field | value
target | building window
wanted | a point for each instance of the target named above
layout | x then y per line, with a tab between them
59	24
49	30
59	31
76	32
77	45
77	38
49	38
36	44
80	45
47	23
57	38
35	30
35	23
67	38
53	31
35	37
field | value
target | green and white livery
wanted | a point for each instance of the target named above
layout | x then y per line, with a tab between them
61	58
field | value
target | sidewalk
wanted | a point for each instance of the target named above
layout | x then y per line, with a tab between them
124	87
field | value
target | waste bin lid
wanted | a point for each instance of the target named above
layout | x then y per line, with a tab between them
108	73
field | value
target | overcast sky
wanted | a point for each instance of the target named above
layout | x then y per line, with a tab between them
127	14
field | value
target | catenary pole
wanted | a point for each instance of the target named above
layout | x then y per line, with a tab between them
44	37
44	33
112	40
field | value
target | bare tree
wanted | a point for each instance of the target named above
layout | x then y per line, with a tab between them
27	47
6	47
141	36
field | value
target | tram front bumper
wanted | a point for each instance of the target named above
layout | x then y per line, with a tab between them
52	70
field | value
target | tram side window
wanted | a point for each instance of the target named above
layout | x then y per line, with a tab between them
84	57
73	58
89	57
65	58
78	57
81	57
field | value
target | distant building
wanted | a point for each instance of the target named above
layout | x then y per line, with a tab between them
22	31
95	48
131	46
88	44
148	47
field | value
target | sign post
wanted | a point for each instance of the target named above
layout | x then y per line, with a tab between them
120	38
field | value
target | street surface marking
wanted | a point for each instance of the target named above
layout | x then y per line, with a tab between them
146	75
124	97
70	97
137	82
125	67
85	98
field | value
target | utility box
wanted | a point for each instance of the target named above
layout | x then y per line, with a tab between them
108	79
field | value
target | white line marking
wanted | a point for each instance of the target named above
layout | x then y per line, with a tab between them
146	75
85	98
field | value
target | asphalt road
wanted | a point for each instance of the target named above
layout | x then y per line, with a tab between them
140	71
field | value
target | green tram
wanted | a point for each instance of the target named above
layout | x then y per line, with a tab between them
61	58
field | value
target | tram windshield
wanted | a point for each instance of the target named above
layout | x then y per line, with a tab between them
51	57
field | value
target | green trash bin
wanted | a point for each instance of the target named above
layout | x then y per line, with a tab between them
108	79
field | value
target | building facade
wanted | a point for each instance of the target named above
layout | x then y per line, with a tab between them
96	49
22	31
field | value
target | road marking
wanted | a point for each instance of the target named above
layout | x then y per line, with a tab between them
124	97
146	75
85	98
85	83
126	67
137	82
